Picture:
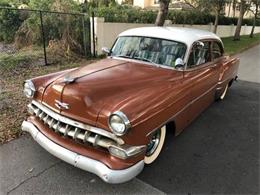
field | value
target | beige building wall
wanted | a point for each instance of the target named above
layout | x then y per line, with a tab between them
119	1
151	3
230	12
146	3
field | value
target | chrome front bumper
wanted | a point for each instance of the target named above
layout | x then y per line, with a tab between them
83	162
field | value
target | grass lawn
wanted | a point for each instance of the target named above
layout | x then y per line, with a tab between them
14	69
233	47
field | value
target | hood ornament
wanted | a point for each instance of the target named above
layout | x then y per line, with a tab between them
61	105
68	79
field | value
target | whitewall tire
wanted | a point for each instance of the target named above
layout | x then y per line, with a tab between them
224	93
155	145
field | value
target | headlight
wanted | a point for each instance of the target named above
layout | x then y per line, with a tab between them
119	123
29	89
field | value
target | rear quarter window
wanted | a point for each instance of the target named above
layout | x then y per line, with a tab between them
217	50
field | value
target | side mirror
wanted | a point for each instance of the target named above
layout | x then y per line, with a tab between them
199	44
179	63
106	50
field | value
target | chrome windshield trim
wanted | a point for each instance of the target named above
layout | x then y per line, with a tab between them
144	62
72	122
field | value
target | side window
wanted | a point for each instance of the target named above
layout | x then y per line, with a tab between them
199	54
217	50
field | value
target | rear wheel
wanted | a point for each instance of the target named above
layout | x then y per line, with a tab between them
224	93
155	145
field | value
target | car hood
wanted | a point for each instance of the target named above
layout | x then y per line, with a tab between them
110	85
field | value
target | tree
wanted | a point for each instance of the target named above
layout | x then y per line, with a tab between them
217	6
163	11
243	6
255	12
234	5
229	3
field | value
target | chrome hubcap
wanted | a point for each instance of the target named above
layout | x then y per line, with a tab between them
153	144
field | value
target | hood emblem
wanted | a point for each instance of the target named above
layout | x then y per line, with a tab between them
61	105
68	79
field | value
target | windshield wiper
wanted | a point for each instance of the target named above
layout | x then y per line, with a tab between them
121	56
145	59
136	58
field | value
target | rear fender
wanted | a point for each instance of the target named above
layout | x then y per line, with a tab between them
229	69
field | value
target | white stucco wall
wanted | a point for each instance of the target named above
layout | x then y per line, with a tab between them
106	32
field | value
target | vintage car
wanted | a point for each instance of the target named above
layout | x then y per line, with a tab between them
110	118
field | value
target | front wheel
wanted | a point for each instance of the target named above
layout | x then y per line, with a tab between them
155	145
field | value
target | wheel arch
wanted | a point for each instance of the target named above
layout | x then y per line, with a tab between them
171	128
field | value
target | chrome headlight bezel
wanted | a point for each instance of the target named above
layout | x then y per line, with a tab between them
122	119
29	89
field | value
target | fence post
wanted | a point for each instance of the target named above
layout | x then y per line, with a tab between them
84	35
93	35
43	39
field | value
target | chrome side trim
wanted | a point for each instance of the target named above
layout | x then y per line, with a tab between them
181	110
78	124
223	81
106	174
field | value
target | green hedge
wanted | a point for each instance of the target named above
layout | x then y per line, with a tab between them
136	15
125	14
196	17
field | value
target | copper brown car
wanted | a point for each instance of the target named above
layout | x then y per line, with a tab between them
111	117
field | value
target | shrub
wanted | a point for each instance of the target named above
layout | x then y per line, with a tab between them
189	17
62	30
10	21
130	14
126	14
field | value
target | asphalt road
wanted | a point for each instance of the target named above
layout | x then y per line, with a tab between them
217	153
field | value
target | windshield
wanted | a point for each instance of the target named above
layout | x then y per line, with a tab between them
153	50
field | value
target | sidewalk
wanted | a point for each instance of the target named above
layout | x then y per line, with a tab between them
26	168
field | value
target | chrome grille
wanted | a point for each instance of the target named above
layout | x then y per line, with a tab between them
73	129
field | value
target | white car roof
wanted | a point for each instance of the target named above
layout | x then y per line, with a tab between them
180	34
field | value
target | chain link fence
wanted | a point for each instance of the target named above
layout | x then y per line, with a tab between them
34	43
70	32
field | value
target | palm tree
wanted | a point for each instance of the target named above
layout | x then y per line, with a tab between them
234	4
217	6
255	12
240	19
163	11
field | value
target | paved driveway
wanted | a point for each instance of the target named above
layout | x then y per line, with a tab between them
250	65
217	153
